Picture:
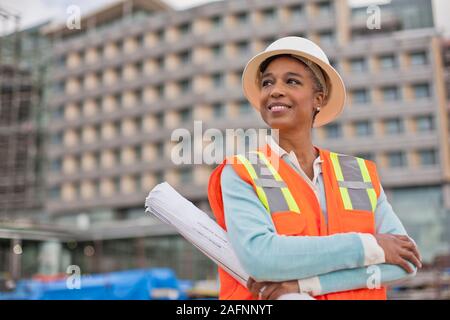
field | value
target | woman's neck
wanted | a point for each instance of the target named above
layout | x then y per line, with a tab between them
301	144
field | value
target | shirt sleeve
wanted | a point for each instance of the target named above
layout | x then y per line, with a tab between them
267	256
384	274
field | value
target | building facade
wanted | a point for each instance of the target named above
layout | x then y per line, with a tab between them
136	71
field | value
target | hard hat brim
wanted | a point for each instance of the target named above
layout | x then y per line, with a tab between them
336	97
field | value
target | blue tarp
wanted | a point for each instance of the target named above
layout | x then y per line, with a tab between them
141	284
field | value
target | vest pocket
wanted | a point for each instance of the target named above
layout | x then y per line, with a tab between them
358	221
289	223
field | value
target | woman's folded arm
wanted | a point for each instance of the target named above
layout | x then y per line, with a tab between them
382	274
267	256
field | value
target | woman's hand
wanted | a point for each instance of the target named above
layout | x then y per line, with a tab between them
266	290
399	249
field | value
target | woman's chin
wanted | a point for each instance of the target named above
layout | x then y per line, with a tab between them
280	124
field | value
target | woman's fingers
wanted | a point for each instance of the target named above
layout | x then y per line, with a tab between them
411	257
250	283
256	287
413	248
276	293
405	265
408	244
268	290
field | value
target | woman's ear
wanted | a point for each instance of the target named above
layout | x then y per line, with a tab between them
319	99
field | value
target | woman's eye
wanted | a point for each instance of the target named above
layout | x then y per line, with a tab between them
265	82
293	80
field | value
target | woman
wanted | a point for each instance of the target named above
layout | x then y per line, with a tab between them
301	218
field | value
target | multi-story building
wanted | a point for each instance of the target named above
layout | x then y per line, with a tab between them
21	83
137	70
22	74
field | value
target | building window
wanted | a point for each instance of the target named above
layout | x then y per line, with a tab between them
97	187
97	159
57	138
160	119
216	22
269	15
117	156
296	12
140	39
396	159
160	35
268	41
218	110
217	50
58	113
424	124
159	176
333	131
160	90
244	107
363	128
118	100
387	62
185	57
390	93
242	47
55	193
160	63
324	8
58	87
119	45
56	165
393	126
138	153
185	29
421	91
418	58
117	127
117	184
327	37
138	67
60	61
217	80
358	65
428	157
160	149
186	115
185	85
185	176
360	96
138	182
78	161
242	18
366	155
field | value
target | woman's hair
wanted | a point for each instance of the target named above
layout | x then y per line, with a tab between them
317	85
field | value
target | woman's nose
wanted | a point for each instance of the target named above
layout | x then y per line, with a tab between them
276	91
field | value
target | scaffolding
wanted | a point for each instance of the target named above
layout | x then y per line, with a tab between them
19	127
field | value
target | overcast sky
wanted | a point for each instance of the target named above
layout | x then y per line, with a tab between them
35	11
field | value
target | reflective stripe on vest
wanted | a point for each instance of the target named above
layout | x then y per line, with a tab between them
272	191
355	185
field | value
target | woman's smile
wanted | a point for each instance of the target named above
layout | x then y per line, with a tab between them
278	108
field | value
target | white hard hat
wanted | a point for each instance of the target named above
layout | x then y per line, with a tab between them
303	48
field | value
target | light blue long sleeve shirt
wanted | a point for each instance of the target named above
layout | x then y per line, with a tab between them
337	260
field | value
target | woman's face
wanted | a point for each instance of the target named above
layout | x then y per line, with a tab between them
288	99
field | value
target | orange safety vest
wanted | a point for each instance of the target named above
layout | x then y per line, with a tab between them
352	188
